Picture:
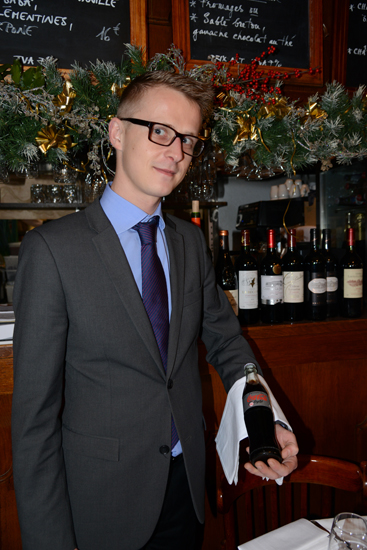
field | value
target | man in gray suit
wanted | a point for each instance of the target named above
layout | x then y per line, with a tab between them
94	400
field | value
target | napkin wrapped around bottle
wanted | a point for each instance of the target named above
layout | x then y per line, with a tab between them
232	428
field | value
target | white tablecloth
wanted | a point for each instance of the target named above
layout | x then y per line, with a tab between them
298	535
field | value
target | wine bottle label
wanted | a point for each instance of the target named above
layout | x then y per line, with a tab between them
293	287
248	289
256	399
353	283
232	296
332	284
317	285
271	289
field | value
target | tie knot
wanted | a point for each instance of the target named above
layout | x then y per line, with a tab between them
147	230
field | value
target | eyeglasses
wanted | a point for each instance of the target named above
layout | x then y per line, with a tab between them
165	136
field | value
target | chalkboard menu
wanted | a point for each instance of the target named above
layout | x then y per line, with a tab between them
206	28
357	44
69	30
247	27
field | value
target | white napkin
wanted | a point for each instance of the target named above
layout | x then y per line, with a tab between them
232	428
298	535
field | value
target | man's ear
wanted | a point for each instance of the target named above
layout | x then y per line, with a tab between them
116	132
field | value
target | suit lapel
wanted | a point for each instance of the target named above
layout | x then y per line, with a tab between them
176	258
113	257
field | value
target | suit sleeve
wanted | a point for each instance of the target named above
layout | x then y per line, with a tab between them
227	350
39	356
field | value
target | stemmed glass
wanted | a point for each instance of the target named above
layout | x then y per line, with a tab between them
348	532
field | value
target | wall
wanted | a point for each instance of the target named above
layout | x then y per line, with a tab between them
238	191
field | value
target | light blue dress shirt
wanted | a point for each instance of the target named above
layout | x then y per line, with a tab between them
123	215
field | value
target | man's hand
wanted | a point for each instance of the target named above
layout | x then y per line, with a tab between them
288	444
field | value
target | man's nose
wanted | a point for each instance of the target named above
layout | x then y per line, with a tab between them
175	149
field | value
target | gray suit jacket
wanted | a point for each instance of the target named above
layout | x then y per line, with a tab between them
92	404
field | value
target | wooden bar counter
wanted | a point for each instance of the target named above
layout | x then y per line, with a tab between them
317	372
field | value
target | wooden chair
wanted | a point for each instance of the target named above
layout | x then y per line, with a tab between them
266	506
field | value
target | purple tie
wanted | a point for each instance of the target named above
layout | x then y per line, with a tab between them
154	292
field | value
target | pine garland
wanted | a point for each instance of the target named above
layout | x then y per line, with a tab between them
46	116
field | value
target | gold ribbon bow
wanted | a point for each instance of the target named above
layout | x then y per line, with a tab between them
314	111
116	89
228	102
64	101
247	128
279	109
50	137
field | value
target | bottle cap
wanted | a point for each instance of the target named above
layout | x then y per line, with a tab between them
271	238
250	367
195	206
350	236
223	233
292	238
245	237
314	235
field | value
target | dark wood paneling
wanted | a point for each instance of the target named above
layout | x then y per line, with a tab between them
159	26
9	525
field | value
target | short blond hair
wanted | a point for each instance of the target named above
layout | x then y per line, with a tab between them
201	93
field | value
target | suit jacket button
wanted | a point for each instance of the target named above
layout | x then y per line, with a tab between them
170	384
164	449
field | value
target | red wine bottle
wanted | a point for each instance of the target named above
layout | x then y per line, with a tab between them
352	281
259	420
225	273
271	284
247	276
315	281
332	280
293	281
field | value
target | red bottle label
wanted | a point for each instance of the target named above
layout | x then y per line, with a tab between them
255	399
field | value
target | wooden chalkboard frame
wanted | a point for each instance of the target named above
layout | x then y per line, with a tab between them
138	25
181	38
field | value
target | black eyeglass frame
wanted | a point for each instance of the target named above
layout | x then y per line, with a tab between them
150	124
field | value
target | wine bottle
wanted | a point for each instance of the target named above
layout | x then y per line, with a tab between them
271	284
352	281
195	213
332	281
259	419
225	273
247	276
293	281
315	280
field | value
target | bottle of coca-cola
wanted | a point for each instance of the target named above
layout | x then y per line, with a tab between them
259	419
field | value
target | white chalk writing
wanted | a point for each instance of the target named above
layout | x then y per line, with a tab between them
57	20
236	22
108	3
358	51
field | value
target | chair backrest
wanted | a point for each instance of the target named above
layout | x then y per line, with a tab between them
266	506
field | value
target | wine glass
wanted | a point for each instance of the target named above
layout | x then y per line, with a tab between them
348	532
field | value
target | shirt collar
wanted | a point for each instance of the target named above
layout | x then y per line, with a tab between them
122	214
